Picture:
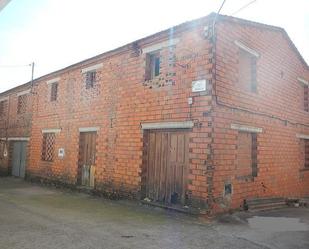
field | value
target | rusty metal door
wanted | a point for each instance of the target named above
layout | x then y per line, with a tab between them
167	166
86	159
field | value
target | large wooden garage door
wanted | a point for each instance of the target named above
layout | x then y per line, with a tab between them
167	165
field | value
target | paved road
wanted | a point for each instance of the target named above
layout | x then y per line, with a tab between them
33	217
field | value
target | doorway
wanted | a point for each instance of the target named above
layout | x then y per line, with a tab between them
19	158
166	166
86	159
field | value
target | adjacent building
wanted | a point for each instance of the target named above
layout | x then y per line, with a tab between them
15	130
203	114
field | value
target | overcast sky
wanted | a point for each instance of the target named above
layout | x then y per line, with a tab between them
57	33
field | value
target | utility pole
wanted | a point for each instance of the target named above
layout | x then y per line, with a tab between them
32	75
32	71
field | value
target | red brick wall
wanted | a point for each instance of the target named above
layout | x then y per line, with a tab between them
277	108
120	101
12	124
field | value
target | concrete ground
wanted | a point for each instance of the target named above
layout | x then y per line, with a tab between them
33	217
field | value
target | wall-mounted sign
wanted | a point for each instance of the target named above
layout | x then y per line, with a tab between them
61	153
198	85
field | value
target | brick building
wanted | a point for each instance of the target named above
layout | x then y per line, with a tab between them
199	115
15	129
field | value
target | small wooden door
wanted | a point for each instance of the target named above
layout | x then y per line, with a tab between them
167	164
86	161
19	158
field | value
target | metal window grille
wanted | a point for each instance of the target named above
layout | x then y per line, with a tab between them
306	153
54	91
2	148
48	147
22	104
2	108
254	155
306	98
90	79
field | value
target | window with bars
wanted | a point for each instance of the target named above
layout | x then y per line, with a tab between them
54	91
90	79
247	71
306	150
2	108
152	65
2	149
306	98
22	104
48	147
247	154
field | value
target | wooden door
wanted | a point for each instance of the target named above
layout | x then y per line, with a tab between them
23	159
16	159
86	160
19	158
167	164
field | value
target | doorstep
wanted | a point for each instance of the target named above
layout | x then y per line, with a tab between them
85	189
180	209
298	202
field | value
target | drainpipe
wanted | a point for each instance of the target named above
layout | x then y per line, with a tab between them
6	148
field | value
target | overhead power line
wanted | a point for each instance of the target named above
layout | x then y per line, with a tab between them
243	7
12	66
221	7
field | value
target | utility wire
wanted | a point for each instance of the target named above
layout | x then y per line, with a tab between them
243	7
12	66
221	7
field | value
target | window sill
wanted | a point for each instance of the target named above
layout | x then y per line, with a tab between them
304	170
246	178
152	79
47	162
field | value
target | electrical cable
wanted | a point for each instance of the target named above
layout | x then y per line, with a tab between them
12	66
243	7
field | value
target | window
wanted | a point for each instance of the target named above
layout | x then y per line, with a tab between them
90	79
48	147
22	104
2	108
247	71
305	154
152	65
228	189
2	149
306	98
54	91
305	93
247	154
